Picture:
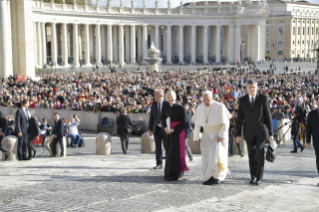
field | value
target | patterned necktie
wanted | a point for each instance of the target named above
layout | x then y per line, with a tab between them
252	101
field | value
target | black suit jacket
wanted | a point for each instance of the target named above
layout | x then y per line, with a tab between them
3	122
22	122
153	116
58	128
312	127
124	124
34	129
257	119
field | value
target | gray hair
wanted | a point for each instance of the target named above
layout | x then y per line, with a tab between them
171	92
208	92
159	91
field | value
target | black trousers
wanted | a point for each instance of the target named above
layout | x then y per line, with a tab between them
3	148
55	141
125	137
22	146
317	157
30	146
256	154
158	137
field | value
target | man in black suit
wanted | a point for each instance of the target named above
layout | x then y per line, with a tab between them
312	130
22	129
254	110
58	135
124	128
3	126
155	127
34	132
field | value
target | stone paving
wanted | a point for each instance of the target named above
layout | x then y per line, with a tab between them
86	182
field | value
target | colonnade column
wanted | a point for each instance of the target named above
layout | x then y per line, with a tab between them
121	45
35	44
98	44
257	43
205	45
5	67
39	37
87	43
64	45
193	45
237	42
145	38
127	44
157	37
44	44
169	45
181	44
75	44
103	44
217	43
230	44
109	44
133	44
54	49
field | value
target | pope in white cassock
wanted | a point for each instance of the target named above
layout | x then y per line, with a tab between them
214	118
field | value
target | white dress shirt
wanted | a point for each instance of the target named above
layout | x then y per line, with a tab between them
250	97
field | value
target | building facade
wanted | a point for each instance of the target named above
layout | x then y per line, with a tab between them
292	30
34	33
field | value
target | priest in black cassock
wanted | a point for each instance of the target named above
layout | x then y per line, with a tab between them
175	165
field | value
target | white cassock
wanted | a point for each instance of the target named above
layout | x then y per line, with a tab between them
215	122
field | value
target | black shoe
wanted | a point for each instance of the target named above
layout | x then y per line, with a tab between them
158	167
258	182
34	154
6	156
252	180
241	155
55	156
210	181
302	148
164	157
62	155
216	181
190	159
293	151
25	158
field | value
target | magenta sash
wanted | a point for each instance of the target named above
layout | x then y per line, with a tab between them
181	147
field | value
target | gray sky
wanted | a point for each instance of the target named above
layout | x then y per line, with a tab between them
151	3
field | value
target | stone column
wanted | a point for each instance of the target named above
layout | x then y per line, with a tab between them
169	45
121	45
217	43
127	44
103	43
133	44
181	44
230	44
157	37
87	43
145	39
54	48
92	43
205	45
115	44
75	44
44	43
237	43
193	45
39	40
80	45
256	43
98	44
109	44
35	43
64	44
5	66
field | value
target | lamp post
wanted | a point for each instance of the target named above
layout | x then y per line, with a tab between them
316	48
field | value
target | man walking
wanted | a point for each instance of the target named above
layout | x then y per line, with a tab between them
312	131
34	132
124	128
155	126
3	126
22	129
58	135
254	110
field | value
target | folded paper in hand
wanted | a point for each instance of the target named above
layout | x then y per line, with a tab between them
168	123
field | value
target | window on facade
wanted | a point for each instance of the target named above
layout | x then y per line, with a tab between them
267	31
298	42
267	42
302	51
280	31
293	52
303	42
293	42
298	30
293	30
279	52
267	22
281	21
280	43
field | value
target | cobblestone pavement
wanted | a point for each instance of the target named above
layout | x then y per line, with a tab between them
86	182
